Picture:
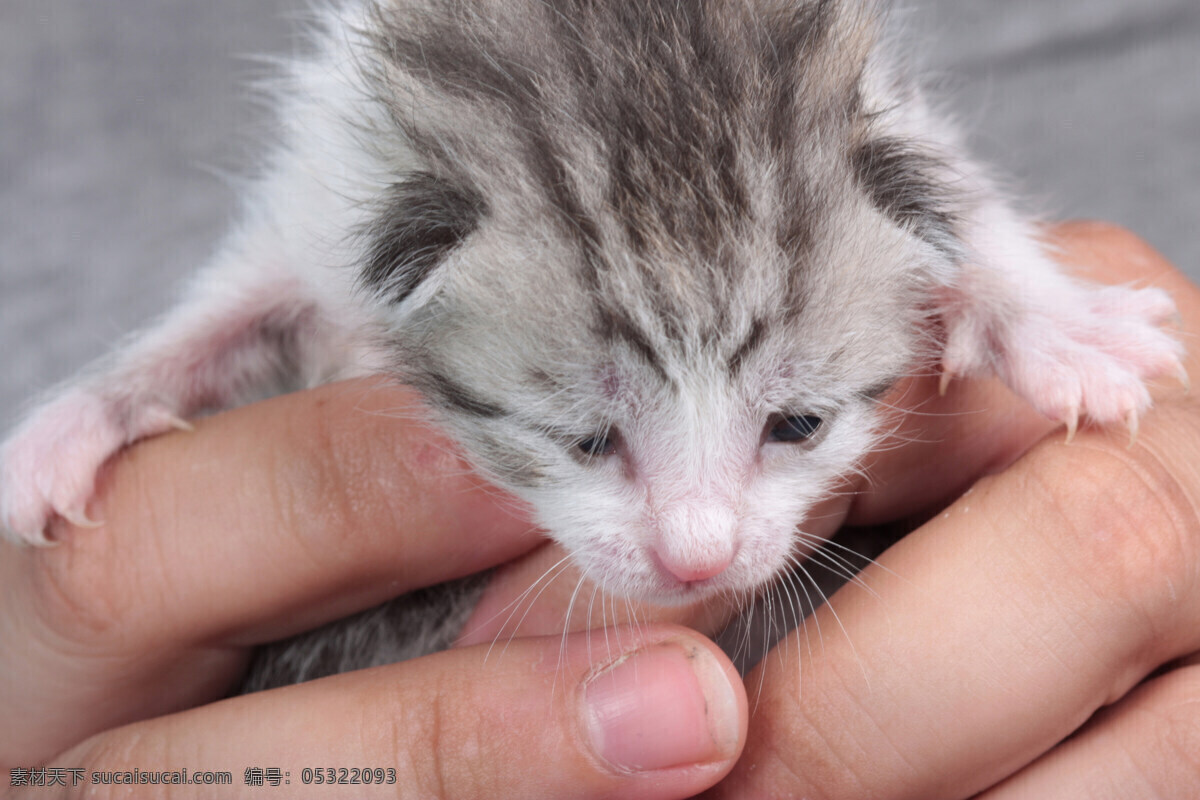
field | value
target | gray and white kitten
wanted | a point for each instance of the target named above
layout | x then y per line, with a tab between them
651	263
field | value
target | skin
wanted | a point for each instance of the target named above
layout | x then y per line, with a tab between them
1065	582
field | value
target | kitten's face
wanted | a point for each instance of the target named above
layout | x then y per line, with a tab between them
689	490
672	439
656	266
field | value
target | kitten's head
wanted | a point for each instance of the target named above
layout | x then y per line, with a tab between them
655	266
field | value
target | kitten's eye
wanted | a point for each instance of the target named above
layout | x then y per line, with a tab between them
796	428
598	445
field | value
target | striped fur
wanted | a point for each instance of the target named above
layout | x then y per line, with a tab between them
616	245
667	192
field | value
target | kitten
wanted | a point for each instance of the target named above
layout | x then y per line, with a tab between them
651	264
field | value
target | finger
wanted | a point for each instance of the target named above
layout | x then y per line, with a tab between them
274	517
955	664
661	714
1144	746
941	445
267	520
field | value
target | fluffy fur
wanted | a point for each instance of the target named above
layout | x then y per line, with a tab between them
616	246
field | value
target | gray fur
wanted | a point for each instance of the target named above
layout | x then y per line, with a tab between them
644	190
414	625
423	219
616	246
673	170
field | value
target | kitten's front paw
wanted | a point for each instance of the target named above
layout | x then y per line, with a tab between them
1089	354
49	464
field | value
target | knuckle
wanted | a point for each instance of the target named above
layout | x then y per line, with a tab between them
118	750
425	737
1170	737
96	586
75	595
436	779
307	491
1126	523
327	489
810	752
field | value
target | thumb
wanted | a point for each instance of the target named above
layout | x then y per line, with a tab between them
652	713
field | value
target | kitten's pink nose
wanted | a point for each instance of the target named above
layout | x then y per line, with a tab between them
696	542
690	570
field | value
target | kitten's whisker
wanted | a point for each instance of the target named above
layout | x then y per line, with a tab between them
533	601
562	646
833	611
840	567
513	606
850	551
795	575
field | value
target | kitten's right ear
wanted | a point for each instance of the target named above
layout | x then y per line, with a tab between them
422	219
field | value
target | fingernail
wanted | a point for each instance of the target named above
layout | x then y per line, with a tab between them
667	705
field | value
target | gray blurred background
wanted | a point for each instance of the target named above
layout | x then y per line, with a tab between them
118	121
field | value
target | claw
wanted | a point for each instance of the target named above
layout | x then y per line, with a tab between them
1182	376
944	382
1072	421
34	539
42	541
79	519
1132	422
160	418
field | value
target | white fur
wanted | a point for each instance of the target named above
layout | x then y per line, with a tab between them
695	501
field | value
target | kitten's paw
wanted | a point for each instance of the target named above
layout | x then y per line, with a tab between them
1090	355
48	466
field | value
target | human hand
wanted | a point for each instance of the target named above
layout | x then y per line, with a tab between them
1058	599
275	518
964	658
967	443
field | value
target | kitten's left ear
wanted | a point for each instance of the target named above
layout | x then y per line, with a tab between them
421	221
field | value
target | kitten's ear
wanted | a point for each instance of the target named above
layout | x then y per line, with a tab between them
421	221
